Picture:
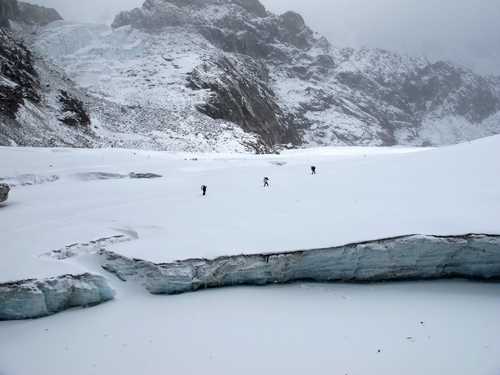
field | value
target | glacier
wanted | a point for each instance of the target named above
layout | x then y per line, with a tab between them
28	299
414	257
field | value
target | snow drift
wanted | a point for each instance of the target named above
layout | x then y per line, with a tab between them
29	299
413	257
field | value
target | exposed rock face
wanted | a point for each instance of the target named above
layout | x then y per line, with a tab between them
30	299
19	79
26	13
241	95
74	113
4	192
402	258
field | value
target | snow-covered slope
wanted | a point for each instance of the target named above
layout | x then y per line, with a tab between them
228	76
39	105
358	194
166	70
137	89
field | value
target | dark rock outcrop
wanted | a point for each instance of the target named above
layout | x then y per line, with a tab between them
475	257
73	110
29	299
20	80
240	93
4	192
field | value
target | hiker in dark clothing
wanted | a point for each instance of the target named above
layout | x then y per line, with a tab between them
204	190
313	169
266	181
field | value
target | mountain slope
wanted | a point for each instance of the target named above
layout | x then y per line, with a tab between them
333	96
226	75
39	106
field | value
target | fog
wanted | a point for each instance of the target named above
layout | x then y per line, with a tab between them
466	32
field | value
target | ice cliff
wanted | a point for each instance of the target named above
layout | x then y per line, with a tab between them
414	257
29	299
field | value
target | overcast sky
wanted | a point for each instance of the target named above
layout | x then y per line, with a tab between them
465	31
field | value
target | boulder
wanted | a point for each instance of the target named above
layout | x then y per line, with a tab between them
4	192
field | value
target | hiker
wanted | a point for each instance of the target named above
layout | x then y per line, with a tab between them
204	189
266	181
313	169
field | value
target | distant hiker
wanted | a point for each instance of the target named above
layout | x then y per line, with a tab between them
266	181
313	169
204	189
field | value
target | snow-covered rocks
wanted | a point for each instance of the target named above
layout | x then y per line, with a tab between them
403	258
29	299
4	192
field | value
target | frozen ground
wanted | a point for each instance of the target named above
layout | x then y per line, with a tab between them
359	194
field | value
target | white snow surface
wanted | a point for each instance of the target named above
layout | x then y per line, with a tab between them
322	329
358	194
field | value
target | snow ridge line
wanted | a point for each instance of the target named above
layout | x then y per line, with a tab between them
413	257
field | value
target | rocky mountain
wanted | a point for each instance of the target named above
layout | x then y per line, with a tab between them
227	75
324	94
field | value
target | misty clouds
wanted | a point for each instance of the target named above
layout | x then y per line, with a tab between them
467	32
